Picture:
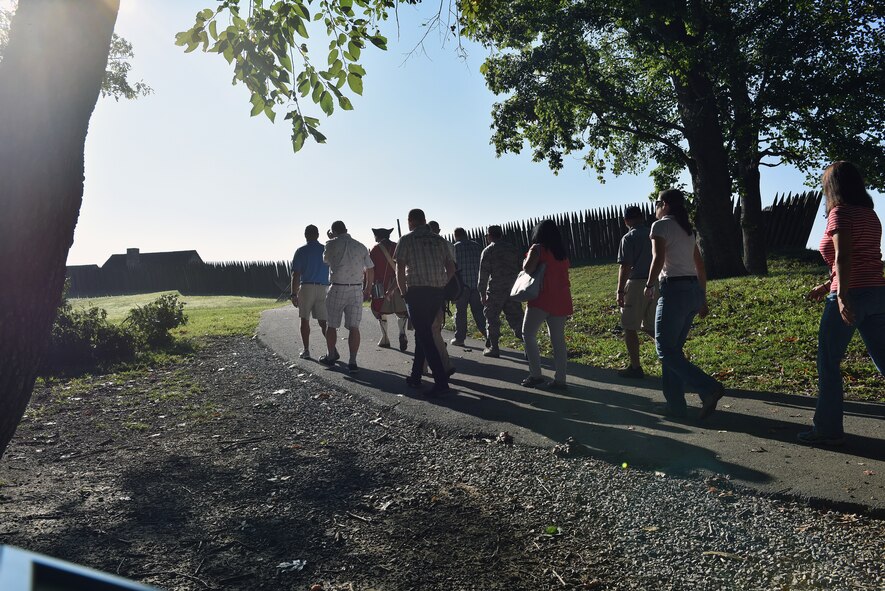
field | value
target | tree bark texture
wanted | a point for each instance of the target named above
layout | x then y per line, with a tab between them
50	79
752	228
718	233
746	149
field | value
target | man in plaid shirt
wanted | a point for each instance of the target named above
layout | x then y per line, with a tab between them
423	267
467	254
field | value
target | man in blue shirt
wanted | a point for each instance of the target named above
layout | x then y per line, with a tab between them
310	281
467	253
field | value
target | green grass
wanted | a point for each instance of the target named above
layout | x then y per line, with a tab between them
761	333
207	315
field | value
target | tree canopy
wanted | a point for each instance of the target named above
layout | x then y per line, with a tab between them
623	82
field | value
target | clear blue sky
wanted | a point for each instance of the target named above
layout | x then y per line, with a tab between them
187	168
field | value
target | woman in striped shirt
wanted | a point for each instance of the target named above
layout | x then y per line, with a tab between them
855	293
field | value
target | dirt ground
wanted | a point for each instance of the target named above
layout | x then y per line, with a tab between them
232	470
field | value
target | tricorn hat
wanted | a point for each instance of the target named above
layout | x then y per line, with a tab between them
381	233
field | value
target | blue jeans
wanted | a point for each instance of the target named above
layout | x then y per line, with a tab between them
678	305
423	304
470	297
832	342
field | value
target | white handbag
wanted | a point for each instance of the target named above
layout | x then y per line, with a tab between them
528	286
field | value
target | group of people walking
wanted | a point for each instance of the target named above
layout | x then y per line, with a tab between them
407	281
662	287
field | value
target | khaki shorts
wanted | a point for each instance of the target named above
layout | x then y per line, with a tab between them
346	300
638	311
312	300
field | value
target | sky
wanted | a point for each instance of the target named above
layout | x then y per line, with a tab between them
187	168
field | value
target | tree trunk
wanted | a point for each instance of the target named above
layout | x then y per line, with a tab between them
718	232
755	247
746	150
50	79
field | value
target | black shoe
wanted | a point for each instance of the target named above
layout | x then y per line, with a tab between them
352	367
554	385
491	352
414	381
439	390
812	437
709	405
531	381
403	342
451	371
631	372
329	359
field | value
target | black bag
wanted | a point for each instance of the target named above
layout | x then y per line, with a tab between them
454	288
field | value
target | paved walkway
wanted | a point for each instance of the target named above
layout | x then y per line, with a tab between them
751	437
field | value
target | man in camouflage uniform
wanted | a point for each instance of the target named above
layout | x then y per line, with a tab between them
499	265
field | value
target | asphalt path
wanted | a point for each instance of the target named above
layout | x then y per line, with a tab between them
751	438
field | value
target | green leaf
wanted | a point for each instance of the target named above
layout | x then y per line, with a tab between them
345	103
379	41
336	67
300	28
213	29
304	87
484	68
356	69
268	110
239	23
354	50
333	55
206	14
317	91
551	530
257	103
298	138
301	10
317	136
326	103
355	82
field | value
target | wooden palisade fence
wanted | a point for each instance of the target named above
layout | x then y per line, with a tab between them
593	235
590	235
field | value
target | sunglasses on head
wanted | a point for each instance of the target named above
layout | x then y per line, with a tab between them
659	203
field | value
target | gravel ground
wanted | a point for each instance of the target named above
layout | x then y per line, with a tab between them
227	471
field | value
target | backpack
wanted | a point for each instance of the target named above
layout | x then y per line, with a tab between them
454	288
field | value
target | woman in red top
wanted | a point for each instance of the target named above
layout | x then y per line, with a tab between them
855	293
553	305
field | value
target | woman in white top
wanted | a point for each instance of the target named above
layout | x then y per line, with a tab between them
676	258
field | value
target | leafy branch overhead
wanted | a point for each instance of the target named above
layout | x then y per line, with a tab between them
267	45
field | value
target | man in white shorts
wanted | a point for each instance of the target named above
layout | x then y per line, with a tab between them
310	281
351	273
637	311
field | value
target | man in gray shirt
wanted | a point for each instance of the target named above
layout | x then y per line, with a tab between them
637	311
499	264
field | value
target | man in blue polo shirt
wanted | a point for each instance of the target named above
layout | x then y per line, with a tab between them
310	281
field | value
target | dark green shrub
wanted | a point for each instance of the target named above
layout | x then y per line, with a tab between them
152	322
84	340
